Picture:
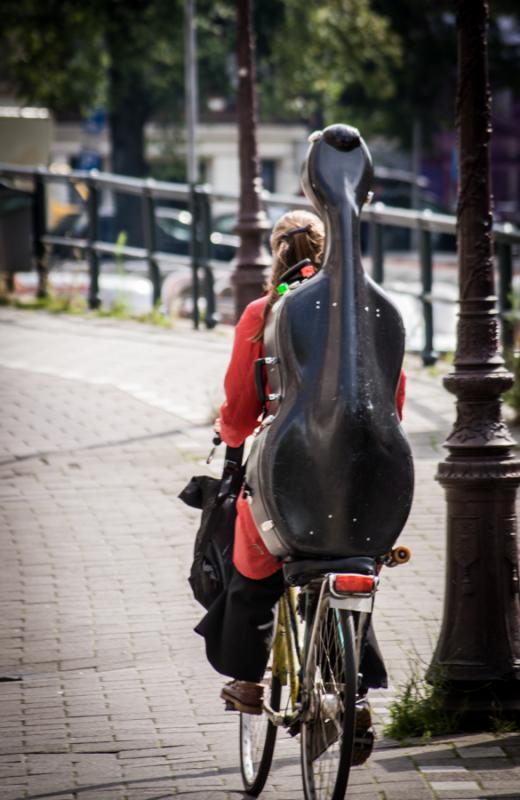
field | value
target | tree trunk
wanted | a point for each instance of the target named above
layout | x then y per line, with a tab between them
129	112
127	122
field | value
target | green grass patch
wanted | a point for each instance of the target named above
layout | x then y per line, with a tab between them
448	357
502	725
154	317
54	304
119	309
75	304
420	710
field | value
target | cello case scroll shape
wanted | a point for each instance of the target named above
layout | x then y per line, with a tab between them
332	473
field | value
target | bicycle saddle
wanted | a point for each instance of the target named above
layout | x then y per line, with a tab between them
298	573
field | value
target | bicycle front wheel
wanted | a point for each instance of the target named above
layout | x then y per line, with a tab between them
329	701
257	739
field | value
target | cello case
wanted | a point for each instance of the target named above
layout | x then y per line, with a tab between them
330	472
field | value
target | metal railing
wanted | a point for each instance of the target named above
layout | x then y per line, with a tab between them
200	199
149	191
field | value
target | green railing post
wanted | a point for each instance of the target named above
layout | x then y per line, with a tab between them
428	355
377	251
91	252
204	219
39	230
505	293
148	210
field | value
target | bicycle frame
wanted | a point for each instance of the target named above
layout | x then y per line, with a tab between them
288	655
287	658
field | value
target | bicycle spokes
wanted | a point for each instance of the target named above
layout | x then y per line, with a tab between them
329	698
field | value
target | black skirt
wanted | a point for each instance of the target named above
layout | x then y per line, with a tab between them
238	631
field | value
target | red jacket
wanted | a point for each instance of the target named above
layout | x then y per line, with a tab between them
238	418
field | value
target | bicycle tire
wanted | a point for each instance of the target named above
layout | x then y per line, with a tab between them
329	701
257	740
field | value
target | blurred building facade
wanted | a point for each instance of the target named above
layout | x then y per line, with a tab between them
281	149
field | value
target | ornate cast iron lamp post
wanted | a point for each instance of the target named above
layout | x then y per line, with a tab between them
252	257
478	650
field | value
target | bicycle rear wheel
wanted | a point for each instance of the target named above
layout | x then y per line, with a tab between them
329	700
257	739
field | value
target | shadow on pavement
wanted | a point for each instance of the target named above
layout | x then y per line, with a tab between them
178	776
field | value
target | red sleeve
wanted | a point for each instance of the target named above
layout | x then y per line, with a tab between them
240	411
400	394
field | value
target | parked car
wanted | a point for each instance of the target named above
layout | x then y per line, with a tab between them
226	223
172	233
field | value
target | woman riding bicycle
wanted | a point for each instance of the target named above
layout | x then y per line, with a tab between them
238	627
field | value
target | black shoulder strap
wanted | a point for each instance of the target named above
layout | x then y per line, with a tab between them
234	456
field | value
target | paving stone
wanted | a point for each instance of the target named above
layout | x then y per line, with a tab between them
443	768
411	790
481	751
455	786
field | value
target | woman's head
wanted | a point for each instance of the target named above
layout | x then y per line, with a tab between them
296	236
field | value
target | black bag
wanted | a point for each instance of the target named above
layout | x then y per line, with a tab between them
213	552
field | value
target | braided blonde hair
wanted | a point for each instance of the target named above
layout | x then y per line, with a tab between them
297	235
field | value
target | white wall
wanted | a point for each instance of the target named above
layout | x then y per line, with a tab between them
217	144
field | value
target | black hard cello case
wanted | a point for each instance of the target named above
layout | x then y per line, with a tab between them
330	472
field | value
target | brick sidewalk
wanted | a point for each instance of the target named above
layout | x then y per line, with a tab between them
106	693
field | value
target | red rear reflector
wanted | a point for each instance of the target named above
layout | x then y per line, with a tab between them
354	584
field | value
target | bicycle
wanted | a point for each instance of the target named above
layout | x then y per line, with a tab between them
312	680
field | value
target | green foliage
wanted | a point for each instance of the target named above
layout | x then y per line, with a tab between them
72	55
64	304
55	304
502	725
512	396
144	41
425	79
331	61
420	710
53	53
216	45
122	238
119	309
154	317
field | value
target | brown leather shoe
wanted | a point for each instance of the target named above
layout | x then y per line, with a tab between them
323	735
244	696
363	734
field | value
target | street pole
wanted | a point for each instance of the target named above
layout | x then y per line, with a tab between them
478	652
191	99
190	88
252	256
